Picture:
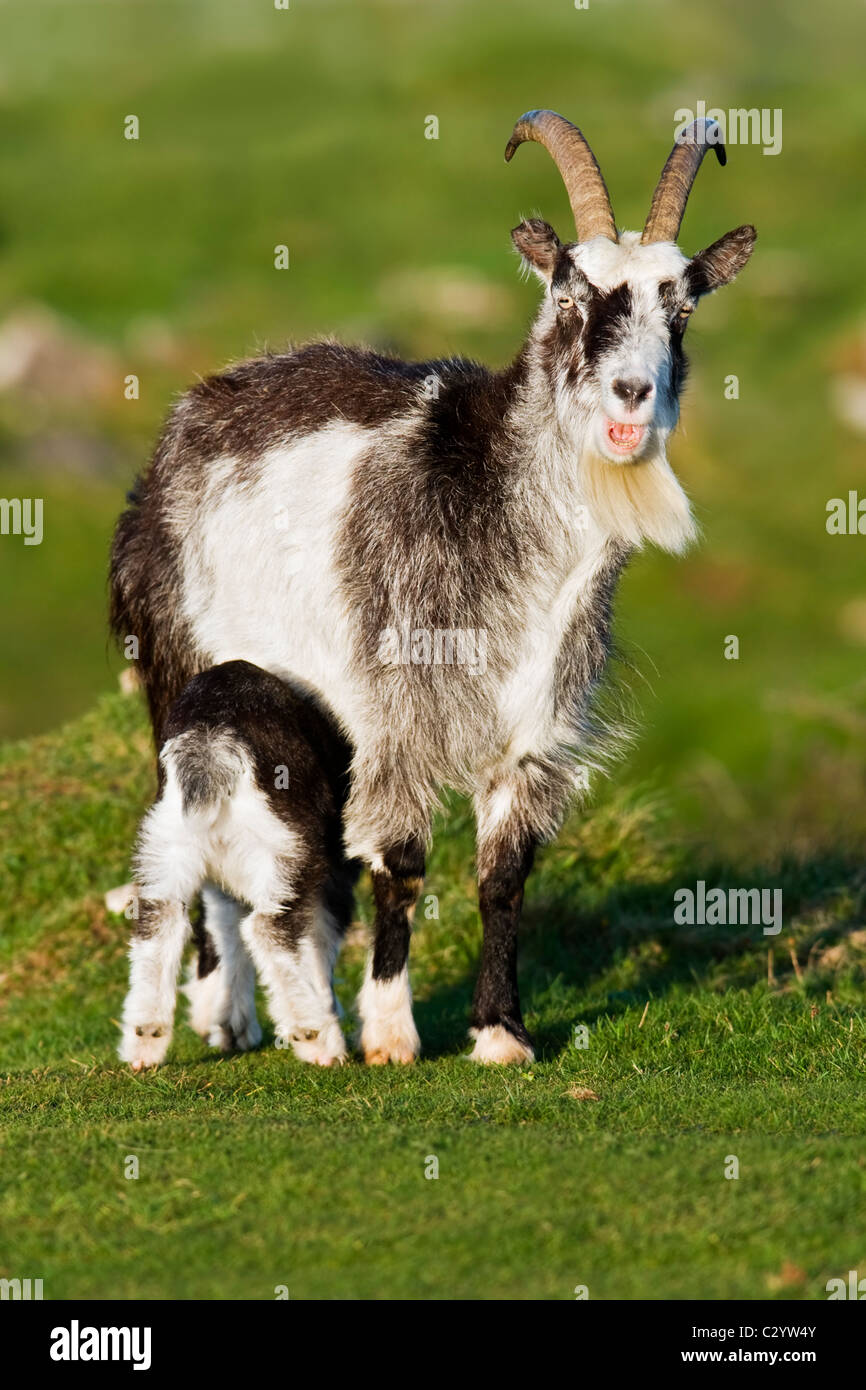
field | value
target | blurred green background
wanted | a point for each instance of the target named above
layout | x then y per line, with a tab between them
306	127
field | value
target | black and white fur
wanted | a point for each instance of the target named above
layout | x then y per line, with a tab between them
301	504
253	783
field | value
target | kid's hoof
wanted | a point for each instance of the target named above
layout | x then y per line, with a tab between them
209	997
324	1047
145	1045
205	997
237	1035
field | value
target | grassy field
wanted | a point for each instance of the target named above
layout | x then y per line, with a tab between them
603	1165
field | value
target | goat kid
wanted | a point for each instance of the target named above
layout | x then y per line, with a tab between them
302	506
253	778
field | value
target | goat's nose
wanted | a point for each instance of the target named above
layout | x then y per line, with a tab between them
631	391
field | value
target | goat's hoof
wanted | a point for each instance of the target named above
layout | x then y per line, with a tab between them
236	1035
390	1040
145	1044
497	1045
204	993
388	1032
401	1051
321	1047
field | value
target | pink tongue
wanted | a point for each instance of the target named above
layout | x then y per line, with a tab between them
623	434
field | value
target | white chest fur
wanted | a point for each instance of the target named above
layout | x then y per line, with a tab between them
526	696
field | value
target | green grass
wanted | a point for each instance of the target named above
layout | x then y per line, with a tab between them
260	127
255	1171
529	1213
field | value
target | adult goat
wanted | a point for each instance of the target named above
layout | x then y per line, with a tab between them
332	514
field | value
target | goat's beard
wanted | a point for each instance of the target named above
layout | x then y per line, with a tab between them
639	501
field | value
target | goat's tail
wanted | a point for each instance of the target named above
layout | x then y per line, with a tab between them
202	767
208	764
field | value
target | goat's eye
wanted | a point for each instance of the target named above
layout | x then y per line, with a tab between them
683	316
565	301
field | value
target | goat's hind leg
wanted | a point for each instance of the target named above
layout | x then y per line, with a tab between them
294	951
155	959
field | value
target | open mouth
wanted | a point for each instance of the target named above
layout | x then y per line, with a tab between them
623	439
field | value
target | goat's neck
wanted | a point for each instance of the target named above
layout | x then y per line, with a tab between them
547	460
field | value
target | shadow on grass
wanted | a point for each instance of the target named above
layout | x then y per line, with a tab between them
627	948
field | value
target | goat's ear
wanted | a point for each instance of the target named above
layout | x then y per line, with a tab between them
721	262
538	244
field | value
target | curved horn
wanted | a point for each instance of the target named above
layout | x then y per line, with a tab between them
586	189
676	179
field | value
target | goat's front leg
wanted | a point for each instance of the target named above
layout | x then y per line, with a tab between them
221	987
497	1023
515	811
388	1032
